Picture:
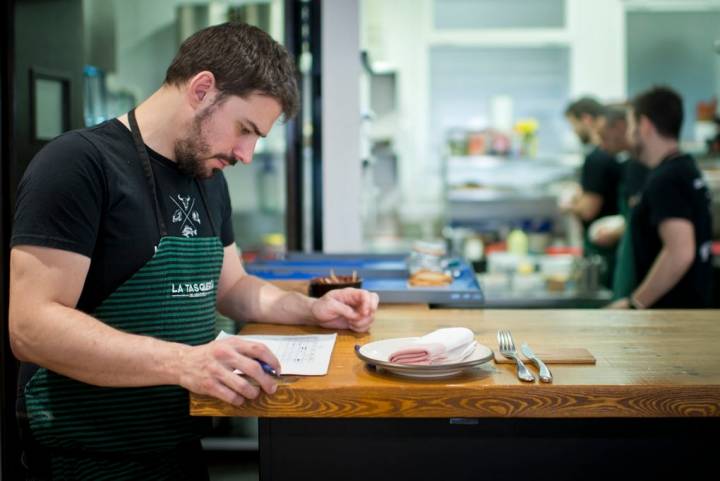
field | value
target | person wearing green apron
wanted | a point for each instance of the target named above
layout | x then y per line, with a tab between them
671	225
634	174
122	252
599	179
613	135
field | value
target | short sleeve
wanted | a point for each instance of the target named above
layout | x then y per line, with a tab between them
667	199
61	196
599	173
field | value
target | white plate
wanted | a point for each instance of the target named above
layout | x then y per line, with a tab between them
611	222
377	354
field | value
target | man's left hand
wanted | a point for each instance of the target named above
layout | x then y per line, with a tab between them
346	309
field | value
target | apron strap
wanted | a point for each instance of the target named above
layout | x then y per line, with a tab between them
147	170
203	196
150	178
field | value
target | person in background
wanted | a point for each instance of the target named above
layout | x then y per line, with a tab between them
123	252
613	133
672	223
599	179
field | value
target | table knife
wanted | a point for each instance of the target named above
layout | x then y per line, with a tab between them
545	374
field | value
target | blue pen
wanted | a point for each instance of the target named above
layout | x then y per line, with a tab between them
267	368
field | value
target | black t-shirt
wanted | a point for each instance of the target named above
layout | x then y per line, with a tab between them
601	175
675	189
85	192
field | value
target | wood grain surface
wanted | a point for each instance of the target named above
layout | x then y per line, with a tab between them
649	364
552	355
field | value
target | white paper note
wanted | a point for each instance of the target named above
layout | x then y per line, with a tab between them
307	355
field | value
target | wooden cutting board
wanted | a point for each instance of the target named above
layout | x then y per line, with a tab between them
577	355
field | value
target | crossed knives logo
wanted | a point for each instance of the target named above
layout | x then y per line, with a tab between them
186	215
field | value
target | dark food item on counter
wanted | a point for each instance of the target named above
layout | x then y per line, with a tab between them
319	286
430	278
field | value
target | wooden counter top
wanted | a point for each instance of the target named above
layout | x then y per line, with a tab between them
649	364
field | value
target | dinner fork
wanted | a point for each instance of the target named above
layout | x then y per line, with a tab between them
507	349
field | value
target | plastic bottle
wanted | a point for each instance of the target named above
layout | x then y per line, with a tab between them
517	242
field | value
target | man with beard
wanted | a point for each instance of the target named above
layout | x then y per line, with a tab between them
672	223
122	251
599	179
613	133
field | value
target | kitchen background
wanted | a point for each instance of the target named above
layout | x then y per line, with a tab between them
444	87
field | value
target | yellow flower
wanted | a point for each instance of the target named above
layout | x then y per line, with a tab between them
526	126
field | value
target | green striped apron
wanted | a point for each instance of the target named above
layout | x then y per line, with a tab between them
624	278
95	433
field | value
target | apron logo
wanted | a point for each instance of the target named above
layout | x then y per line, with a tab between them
185	215
197	289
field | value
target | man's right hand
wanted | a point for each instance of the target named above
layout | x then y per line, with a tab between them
208	369
568	196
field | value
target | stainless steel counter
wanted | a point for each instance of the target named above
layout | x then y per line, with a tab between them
547	300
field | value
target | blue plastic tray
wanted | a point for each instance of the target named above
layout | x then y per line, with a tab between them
385	274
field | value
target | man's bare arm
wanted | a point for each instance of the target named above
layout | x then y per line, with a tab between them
674	260
245	297
47	329
587	206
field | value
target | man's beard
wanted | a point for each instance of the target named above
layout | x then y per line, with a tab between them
584	137
192	151
638	150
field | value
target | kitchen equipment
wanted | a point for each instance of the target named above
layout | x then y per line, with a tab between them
545	374
385	274
588	273
560	264
507	349
457	238
517	242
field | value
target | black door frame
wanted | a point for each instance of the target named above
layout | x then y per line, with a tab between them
9	438
303	24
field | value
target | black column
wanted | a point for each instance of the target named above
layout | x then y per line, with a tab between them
302	38
9	442
315	34
294	179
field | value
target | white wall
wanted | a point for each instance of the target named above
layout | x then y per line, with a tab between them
397	34
596	35
341	126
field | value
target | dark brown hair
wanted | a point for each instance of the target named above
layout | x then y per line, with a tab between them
585	105
243	59
614	113
663	107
